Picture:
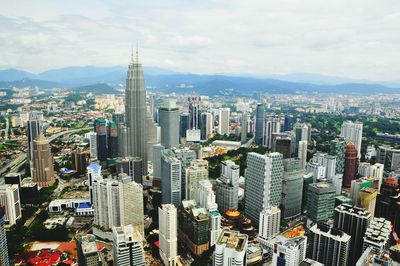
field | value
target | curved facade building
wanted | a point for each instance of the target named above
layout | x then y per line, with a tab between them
350	164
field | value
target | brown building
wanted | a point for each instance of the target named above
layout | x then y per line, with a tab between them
350	164
79	160
43	164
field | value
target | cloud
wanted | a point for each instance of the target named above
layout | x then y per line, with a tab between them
354	38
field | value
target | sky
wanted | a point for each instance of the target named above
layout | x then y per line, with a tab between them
348	38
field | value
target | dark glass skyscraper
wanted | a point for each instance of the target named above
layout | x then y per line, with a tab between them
183	125
135	111
112	139
260	115
101	133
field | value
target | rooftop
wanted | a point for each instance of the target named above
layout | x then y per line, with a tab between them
233	239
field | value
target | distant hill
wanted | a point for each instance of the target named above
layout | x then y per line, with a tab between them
105	79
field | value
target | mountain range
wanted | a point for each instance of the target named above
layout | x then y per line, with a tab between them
96	79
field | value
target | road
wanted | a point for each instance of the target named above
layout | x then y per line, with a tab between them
14	164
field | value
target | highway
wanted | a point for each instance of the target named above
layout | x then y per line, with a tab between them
14	164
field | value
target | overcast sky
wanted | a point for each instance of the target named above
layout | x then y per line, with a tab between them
350	38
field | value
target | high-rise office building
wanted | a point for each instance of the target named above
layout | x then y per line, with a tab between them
302	153
127	246
352	131
88	252
356	186
378	235
230	249
3	239
171	180
338	148
215	226
43	165
194	113
135	111
307	180
270	222
259	127
93	173
388	202
122	141
350	164
197	171
101	139
206	125
33	131
354	222
373	170
320	201
283	145
368	199
92	137
389	157
327	161
10	199
271	126
330	246
318	171
169	119
263	183
206	196
131	166
223	122
183	124
292	188
80	160
112	139
302	132
243	128
118	202
168	235
228	186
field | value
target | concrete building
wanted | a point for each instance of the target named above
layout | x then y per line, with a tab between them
127	246
352	131
92	136
327	161
338	148
193	227
389	157
34	129
88	252
80	160
330	246
112	139
263	183
118	203
292	188
215	226
354	222
375	171
287	250
168	235
4	260
243	128
227	193
169	119
206	196
197	171
270	221
135	111
318	171
368	199
320	201
378	235
356	186
93	173
101	139
10	200
171	180
302	152
131	166
230	249
43	164
206	125
223	122
271	126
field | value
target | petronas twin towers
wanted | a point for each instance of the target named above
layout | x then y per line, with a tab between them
135	111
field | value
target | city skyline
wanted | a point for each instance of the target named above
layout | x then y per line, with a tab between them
350	39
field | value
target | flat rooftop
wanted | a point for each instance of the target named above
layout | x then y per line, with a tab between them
233	239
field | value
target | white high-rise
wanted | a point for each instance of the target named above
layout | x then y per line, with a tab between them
302	152
215	226
127	246
93	173
223	124
263	183
197	171
9	198
327	161
352	131
118	202
206	196
230	249
270	221
168	234
271	125
92	136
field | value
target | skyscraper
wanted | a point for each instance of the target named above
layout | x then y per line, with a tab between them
206	125
292	188
259	128
168	234
88	253
378	235
352	131
169	119
10	200
131	166
302	153
223	124
101	139
135	111
43	165
171	180
194	113
338	148
228	186
350	164
230	249
79	159
3	239
34	130
243	128
93	173
263	183
272	125
330	246
197	171
127	246
270	221
206	196
183	124
112	145
354	222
